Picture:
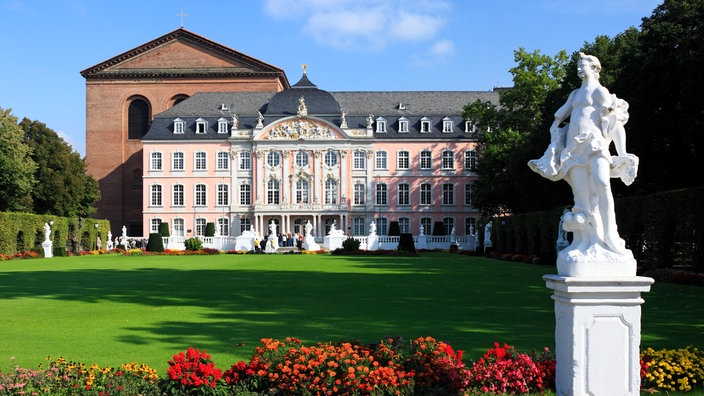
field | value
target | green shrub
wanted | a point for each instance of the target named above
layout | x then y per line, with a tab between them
210	229
394	229
164	229
350	245
405	243
193	244
155	244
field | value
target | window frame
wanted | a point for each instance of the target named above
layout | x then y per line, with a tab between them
426	194
156	195
381	160
359	160
403	190
245	195
245	160
178	198
429	159
382	194
448	194
156	161
222	195
447	156
200	195
403	160
200	161
175	161
360	194
222	161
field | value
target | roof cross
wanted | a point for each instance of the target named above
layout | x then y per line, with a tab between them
181	15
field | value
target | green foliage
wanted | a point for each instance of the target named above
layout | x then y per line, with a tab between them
350	245
210	229
193	244
164	229
28	230
438	228
63	187
405	243
155	244
394	229
16	166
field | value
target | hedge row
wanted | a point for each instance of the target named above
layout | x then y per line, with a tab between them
664	230
21	232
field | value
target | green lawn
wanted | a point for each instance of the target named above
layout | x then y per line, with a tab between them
113	309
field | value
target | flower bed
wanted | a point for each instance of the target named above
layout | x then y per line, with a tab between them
424	366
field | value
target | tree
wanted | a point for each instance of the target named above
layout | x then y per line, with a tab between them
662	80
512	134
63	187
16	166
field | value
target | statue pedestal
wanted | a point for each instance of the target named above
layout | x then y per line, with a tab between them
332	242
48	249
373	242
597	333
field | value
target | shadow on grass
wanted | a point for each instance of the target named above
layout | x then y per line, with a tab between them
468	302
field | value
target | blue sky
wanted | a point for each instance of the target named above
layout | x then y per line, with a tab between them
348	45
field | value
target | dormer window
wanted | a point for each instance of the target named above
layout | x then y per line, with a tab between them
381	125
179	126
401	106
222	125
425	124
224	107
201	126
469	127
403	125
447	125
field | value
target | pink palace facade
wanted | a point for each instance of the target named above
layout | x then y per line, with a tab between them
243	159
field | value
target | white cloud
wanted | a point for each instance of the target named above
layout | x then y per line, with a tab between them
441	52
362	24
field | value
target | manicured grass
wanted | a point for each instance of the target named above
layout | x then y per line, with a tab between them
113	309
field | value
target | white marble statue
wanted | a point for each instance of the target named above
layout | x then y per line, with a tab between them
309	228
308	240
422	230
334	231
372	228
47	232
579	154
487	235
453	235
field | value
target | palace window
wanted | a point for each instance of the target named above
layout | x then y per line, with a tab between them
177	161
426	159
200	162
381	125
358	226
381	194
179	126
200	195
380	160
273	192
156	163
302	159
359	160
224	224
425	194
330	158
178	228
404	160
403	125
447	125
469	127
223	161
245	224
427	223
404	223
469	194
404	191
359	194
155	195
177	195
302	191
201	126
448	223
245	195
470	225
245	160
154	225
382	226
448	194
448	160
223	195
425	125
273	159
470	160
331	191
222	125
200	226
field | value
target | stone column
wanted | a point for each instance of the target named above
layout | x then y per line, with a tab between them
597	334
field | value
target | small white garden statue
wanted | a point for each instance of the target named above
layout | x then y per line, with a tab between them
47	233
334	231
309	241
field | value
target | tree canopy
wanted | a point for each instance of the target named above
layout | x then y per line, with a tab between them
40	172
16	166
656	69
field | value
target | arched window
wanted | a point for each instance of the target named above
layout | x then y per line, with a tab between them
138	119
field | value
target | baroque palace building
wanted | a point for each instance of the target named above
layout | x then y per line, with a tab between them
185	131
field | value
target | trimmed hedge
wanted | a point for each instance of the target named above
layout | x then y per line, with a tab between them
25	231
663	230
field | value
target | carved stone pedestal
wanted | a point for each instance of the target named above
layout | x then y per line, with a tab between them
597	334
48	249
